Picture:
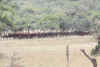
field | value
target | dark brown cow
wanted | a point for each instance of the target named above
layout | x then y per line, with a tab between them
49	34
22	35
43	34
26	35
54	34
77	33
34	34
65	33
4	36
87	33
9	35
82	33
12	35
18	34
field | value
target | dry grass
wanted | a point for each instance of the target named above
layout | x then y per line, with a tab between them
72	40
48	52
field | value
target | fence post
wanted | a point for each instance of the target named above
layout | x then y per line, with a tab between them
67	54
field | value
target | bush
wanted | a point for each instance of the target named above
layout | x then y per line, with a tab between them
96	50
13	61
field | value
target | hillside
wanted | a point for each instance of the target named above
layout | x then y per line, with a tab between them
55	14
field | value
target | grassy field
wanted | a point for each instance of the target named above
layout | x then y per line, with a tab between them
48	52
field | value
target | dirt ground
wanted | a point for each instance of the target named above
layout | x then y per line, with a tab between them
48	52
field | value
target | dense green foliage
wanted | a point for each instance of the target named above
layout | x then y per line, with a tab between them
6	9
95	51
55	14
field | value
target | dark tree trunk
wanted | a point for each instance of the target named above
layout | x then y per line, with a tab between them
98	43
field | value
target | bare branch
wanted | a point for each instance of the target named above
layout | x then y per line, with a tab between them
93	60
85	54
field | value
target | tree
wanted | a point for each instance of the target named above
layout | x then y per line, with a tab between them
93	60
6	9
62	26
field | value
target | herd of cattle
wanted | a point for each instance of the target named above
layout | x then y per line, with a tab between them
43	34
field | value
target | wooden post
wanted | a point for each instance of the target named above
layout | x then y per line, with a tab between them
67	54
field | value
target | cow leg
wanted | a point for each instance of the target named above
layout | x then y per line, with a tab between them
2	38
12	37
66	35
8	38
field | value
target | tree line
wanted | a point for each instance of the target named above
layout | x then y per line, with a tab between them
81	15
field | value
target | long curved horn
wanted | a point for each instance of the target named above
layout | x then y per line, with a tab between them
74	29
92	29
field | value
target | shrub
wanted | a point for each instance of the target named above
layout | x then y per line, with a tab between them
96	50
13	60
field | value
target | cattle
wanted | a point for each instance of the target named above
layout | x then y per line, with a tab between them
77	33
82	33
65	33
53	34
43	34
18	34
11	35
87	33
23	35
34	34
4	36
